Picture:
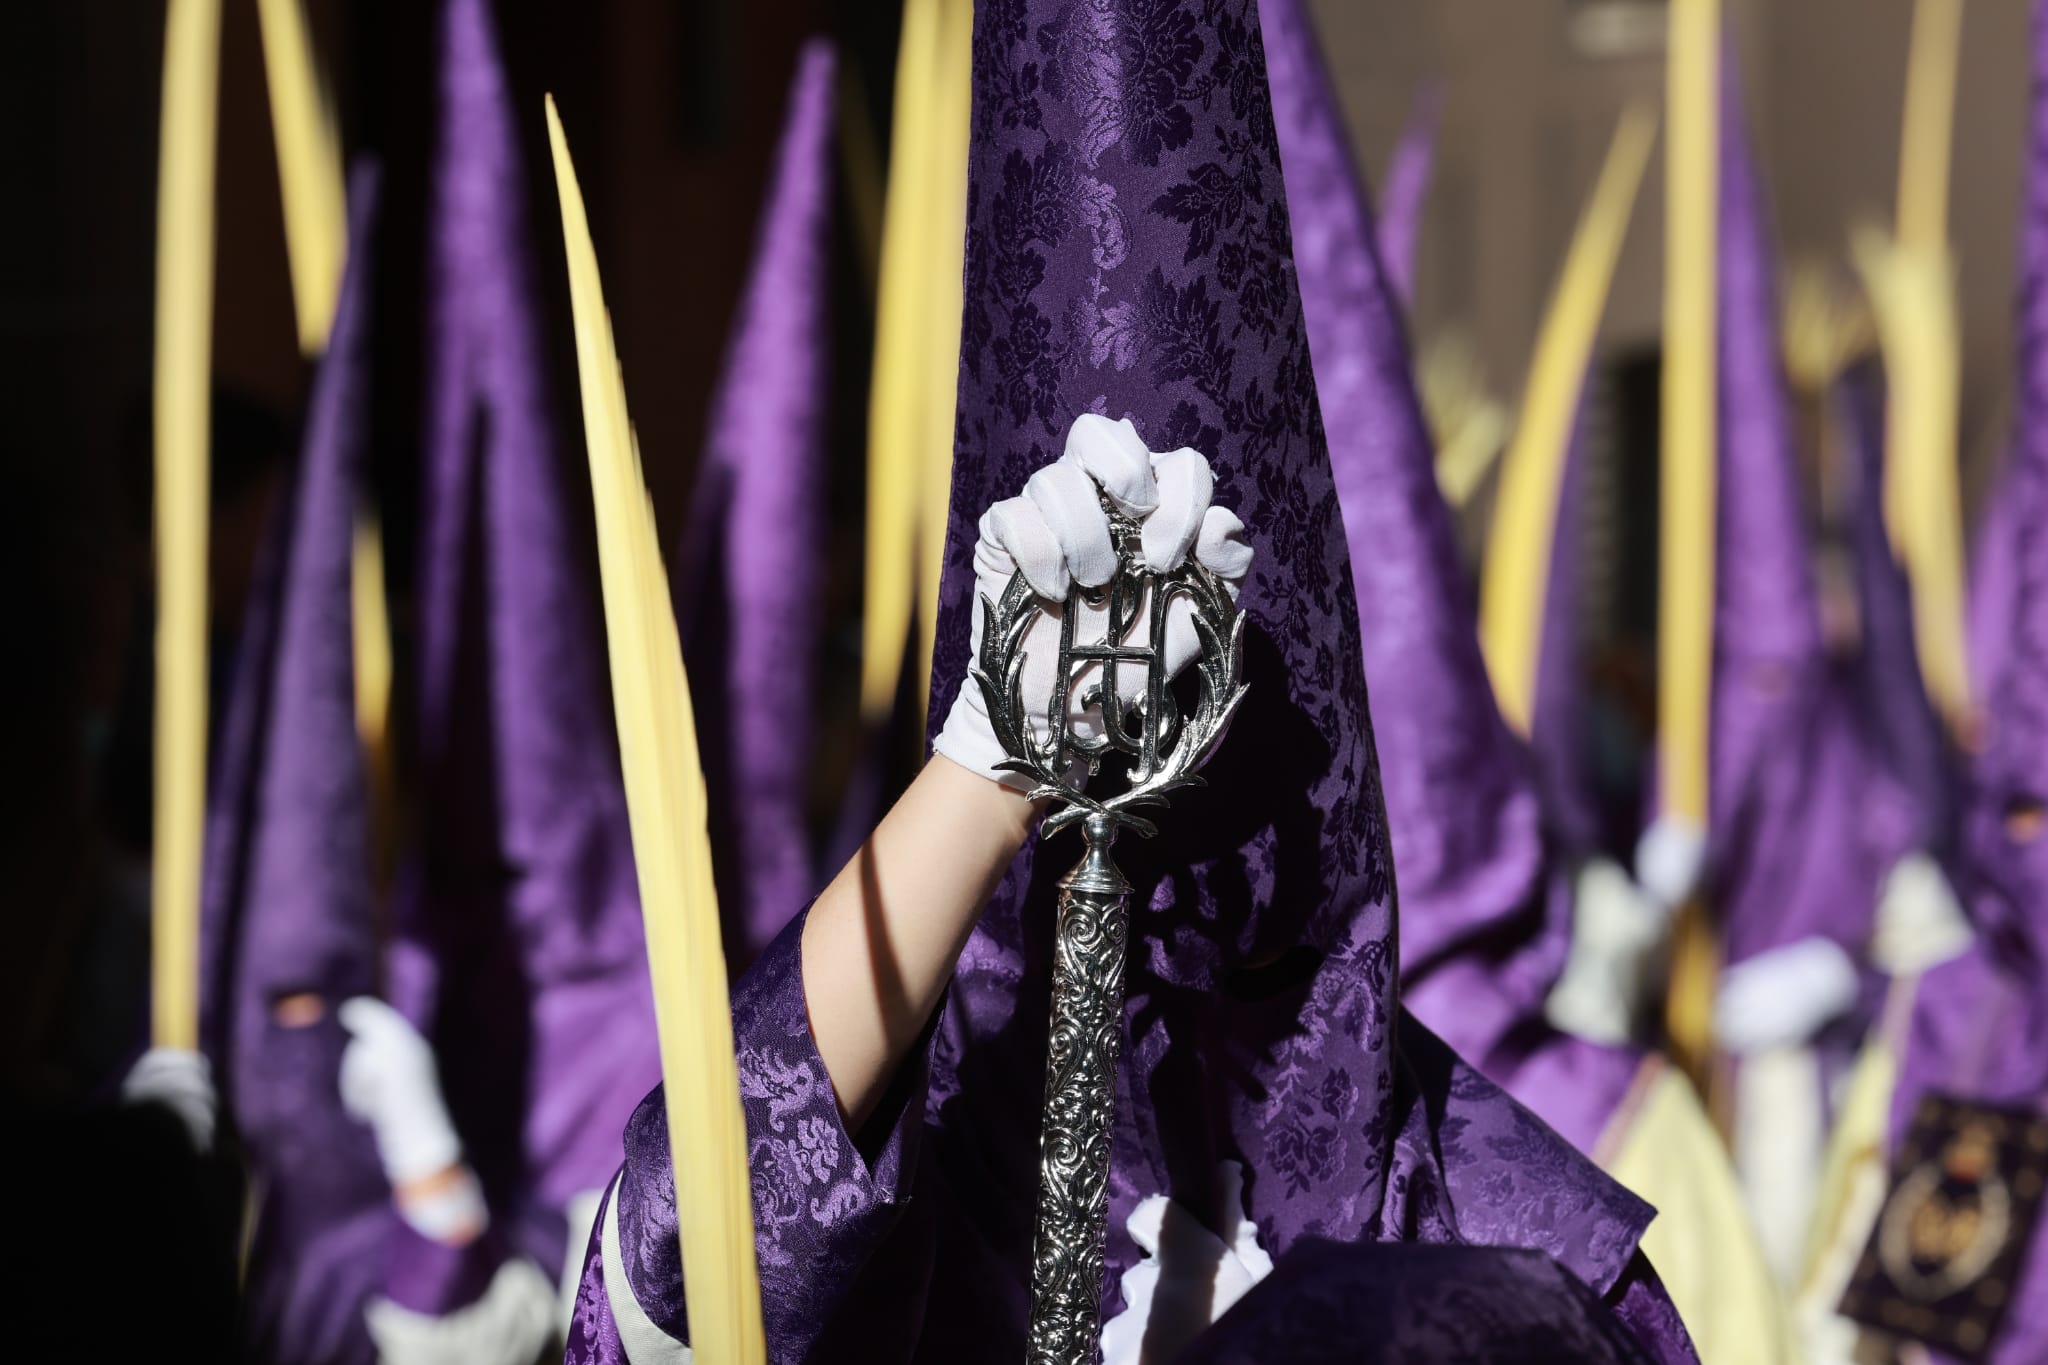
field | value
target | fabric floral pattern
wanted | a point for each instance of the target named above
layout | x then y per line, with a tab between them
820	1206
1128	253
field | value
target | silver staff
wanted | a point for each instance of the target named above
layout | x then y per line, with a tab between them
1164	748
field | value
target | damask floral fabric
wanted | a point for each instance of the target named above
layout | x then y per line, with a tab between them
1129	252
1486	895
287	899
1353	1304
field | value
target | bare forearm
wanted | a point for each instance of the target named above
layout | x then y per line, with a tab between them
880	943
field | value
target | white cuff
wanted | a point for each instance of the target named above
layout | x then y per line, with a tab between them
643	1342
513	1321
455	1210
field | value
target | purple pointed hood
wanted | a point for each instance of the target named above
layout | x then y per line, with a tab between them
754	545
289	904
1129	251
1980	1022
1790	854
1560	716
1479	948
521	941
1407	194
1913	808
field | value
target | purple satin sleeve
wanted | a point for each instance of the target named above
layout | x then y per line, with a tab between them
823	1202
1643	1306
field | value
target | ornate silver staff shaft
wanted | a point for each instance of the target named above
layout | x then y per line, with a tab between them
1164	749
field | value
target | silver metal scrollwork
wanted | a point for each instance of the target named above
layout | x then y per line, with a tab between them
1164	748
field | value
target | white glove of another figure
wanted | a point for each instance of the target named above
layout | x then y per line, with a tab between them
389	1081
1782	997
1058	534
181	1081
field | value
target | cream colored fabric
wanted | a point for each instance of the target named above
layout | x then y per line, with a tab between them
1701	1243
513	1321
1780	1136
1617	932
1852	1189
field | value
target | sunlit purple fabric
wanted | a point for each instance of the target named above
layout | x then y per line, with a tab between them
1991	579
1560	718
287	899
1789	855
1912	809
519	947
1129	251
1406	194
1485	901
754	546
1980	1022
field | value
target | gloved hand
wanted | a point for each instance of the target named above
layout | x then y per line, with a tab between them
181	1081
1920	923
1783	996
1617	929
1189	1278
1057	534
1670	857
390	1082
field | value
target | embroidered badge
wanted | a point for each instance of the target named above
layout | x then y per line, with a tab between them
1966	1191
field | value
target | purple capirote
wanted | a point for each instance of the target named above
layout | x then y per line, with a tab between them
1129	251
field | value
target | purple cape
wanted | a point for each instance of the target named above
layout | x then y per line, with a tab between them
1129	251
1486	898
1790	855
755	541
1979	1026
288	899
519	948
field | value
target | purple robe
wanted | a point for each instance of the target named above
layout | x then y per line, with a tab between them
755	542
287	896
1129	251
1486	899
1790	854
1913	808
1979	1026
1333	1303
518	944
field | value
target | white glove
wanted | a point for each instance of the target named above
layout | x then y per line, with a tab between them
1920	923
1669	859
181	1081
1057	534
389	1081
1784	996
1189	1278
1616	933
